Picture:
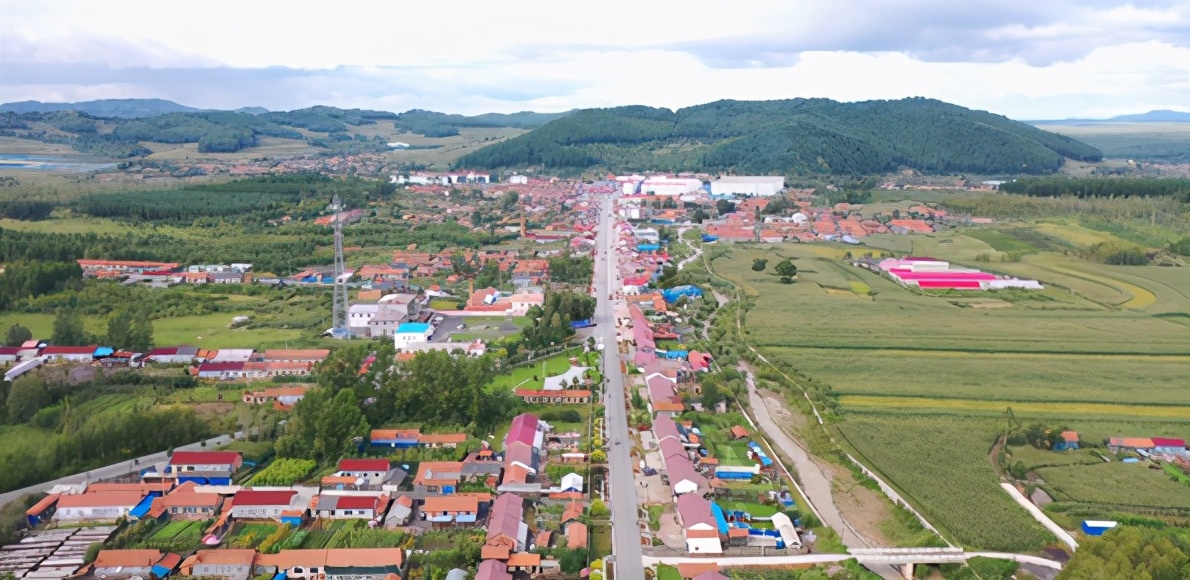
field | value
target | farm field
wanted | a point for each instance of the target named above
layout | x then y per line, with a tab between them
1133	485
1126	379
205	331
942	463
923	380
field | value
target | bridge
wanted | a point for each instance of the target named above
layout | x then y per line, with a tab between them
904	558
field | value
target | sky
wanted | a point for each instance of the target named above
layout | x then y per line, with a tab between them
1027	59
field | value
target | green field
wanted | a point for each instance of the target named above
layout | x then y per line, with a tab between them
523	377
923	379
942	463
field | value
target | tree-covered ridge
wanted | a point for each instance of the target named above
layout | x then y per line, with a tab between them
213	131
789	136
433	124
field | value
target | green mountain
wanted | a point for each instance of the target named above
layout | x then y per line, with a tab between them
104	108
433	124
789	136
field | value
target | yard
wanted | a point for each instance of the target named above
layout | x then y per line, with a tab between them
249	535
601	540
533	376
180	531
754	509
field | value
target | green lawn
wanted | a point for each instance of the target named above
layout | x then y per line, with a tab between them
601	540
523	377
205	331
251	450
755	509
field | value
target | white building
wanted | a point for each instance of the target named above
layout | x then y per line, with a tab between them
412	332
100	505
759	185
664	185
358	317
518	179
647	234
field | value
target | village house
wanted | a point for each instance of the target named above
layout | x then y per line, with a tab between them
334	563
125	563
437	476
507	530
83	354
204	467
367	507
223	371
448	511
97	506
172	355
564	397
377	469
313	355
265	370
251	504
228	564
698	524
186	503
284	397
442	440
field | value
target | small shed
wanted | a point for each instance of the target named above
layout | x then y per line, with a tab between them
1097	527
1067	442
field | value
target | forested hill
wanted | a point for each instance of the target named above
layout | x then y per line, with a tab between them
790	136
107	108
432	124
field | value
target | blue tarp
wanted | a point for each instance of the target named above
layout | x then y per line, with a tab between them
103	351
733	475
676	354
647	247
295	521
142	508
161	571
672	294
577	324
709	238
719	519
281	576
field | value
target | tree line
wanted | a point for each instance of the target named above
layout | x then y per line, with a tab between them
1084	187
74	434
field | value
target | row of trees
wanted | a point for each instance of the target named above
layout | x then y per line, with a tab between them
1099	187
32	279
71	434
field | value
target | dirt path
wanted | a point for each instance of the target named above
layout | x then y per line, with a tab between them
815	480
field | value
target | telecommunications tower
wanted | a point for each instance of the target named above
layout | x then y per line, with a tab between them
339	305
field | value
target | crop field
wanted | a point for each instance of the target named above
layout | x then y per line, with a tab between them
180	530
1009	377
942	463
924	379
283	472
206	331
1116	484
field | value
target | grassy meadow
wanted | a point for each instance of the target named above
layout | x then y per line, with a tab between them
923	378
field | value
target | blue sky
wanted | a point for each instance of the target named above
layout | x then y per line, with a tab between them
1035	59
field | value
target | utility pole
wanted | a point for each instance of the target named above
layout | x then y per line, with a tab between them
339	301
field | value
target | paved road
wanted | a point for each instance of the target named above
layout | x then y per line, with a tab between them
1040	516
114	470
895	556
625	531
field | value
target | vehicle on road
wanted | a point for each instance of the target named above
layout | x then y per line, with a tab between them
461	327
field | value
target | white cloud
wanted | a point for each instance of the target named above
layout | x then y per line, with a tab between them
1022	58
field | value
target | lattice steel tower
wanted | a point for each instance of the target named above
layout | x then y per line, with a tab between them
339	304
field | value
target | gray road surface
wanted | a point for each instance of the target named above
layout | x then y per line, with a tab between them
625	531
114	470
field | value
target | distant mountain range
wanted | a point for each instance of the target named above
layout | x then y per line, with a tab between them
106	108
1158	116
797	136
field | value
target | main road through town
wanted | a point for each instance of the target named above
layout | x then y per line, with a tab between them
625	531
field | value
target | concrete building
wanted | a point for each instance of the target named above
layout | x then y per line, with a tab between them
758	185
412	332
